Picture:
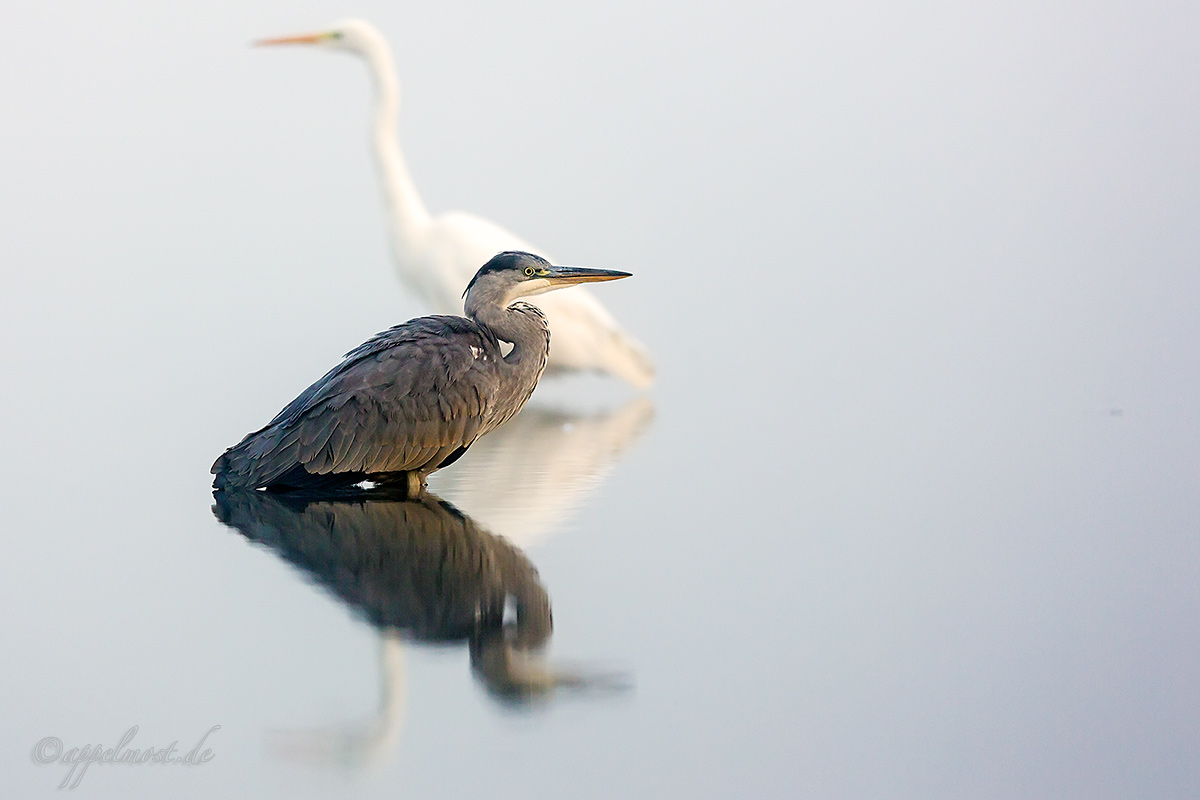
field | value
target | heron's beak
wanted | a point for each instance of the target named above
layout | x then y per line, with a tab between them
568	276
303	38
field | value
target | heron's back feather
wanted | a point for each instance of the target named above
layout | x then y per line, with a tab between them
402	401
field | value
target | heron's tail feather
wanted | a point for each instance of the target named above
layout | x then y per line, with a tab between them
255	461
260	461
231	471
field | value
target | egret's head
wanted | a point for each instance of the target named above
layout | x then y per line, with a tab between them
354	35
513	274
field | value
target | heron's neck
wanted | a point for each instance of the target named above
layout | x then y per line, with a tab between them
520	323
525	326
408	216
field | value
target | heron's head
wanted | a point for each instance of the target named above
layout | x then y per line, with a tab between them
513	274
353	35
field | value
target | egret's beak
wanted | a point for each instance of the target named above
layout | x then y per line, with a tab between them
567	276
303	38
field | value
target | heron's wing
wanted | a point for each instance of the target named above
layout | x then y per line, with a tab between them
408	397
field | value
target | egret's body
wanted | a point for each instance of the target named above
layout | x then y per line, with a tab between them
435	256
413	398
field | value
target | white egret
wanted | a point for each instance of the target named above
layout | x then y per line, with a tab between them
437	256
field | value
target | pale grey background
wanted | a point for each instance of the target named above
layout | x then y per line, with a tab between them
918	515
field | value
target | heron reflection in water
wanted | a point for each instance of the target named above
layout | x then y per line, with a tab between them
420	571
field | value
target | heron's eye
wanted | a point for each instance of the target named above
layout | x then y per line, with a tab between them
529	271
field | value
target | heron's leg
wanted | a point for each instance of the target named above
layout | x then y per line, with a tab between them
412	482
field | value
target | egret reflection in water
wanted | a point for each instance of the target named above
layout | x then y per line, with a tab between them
561	457
420	571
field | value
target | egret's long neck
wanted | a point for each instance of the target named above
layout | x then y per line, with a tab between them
408	215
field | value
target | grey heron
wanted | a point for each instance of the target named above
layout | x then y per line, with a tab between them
436	255
413	398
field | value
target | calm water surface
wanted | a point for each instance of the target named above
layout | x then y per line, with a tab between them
911	511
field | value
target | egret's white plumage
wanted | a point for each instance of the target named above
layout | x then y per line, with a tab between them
437	256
